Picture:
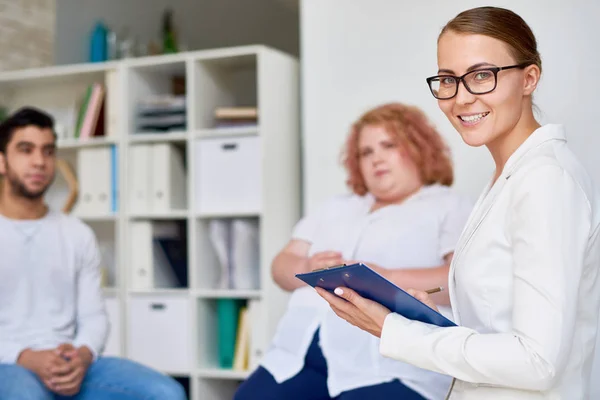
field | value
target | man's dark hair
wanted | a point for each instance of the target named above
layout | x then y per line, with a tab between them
21	118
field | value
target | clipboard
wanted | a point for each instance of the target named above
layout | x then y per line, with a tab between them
370	285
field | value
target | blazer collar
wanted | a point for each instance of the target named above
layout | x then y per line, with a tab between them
538	137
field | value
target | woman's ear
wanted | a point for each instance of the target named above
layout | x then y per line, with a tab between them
531	79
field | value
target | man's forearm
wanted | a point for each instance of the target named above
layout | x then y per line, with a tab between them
93	331
21	358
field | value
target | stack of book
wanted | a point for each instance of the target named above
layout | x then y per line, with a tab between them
90	118
236	117
92	113
162	114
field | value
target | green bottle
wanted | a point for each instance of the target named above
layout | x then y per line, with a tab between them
168	33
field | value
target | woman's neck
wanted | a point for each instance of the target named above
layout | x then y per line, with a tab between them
383	201
504	146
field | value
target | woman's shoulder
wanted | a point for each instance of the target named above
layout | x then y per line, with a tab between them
549	151
445	196
553	159
340	203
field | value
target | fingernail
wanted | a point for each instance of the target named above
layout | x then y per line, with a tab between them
338	291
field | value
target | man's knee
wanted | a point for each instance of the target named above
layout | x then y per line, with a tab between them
19	383
132	377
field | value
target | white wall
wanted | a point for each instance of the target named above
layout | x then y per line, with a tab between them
201	24
359	53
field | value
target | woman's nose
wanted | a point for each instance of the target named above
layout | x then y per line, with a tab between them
463	96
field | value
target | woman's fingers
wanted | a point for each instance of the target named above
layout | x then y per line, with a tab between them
423	297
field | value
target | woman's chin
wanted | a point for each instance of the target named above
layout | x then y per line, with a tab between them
472	139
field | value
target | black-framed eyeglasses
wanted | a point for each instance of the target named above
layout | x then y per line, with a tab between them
479	81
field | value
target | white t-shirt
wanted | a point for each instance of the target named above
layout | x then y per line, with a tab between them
417	233
49	286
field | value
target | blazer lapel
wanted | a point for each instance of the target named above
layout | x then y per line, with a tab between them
487	200
480	211
479	215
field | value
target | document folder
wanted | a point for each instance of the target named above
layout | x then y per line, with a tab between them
370	285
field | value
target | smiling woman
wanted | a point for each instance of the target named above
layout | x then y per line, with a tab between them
524	282
499	66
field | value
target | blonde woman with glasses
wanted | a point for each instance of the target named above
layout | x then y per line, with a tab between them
523	282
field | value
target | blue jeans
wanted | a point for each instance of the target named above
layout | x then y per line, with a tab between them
311	384
107	378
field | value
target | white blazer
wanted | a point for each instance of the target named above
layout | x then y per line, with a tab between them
523	283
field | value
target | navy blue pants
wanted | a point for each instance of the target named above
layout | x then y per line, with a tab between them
311	384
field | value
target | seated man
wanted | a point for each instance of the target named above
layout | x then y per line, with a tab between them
53	324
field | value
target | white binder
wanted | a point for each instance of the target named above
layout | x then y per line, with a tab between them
94	176
150	266
140	183
102	180
168	178
85	170
142	261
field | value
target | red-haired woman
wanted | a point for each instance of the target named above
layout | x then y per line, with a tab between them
402	220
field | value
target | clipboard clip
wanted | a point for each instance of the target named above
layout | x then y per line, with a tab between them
328	268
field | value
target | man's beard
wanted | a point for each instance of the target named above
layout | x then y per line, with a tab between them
19	189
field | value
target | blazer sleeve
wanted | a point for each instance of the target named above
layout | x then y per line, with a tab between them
548	228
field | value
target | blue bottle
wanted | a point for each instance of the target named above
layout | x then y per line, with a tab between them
98	51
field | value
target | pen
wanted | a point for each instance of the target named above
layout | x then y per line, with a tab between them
434	290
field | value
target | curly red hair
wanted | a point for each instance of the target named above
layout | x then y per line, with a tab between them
409	125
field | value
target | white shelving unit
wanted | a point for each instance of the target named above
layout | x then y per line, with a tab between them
174	329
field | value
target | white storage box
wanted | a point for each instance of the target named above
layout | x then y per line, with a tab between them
159	332
228	178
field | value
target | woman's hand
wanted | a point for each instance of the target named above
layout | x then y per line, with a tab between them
324	259
423	297
360	312
363	313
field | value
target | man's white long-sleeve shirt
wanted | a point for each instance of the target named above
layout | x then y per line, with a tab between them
49	286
